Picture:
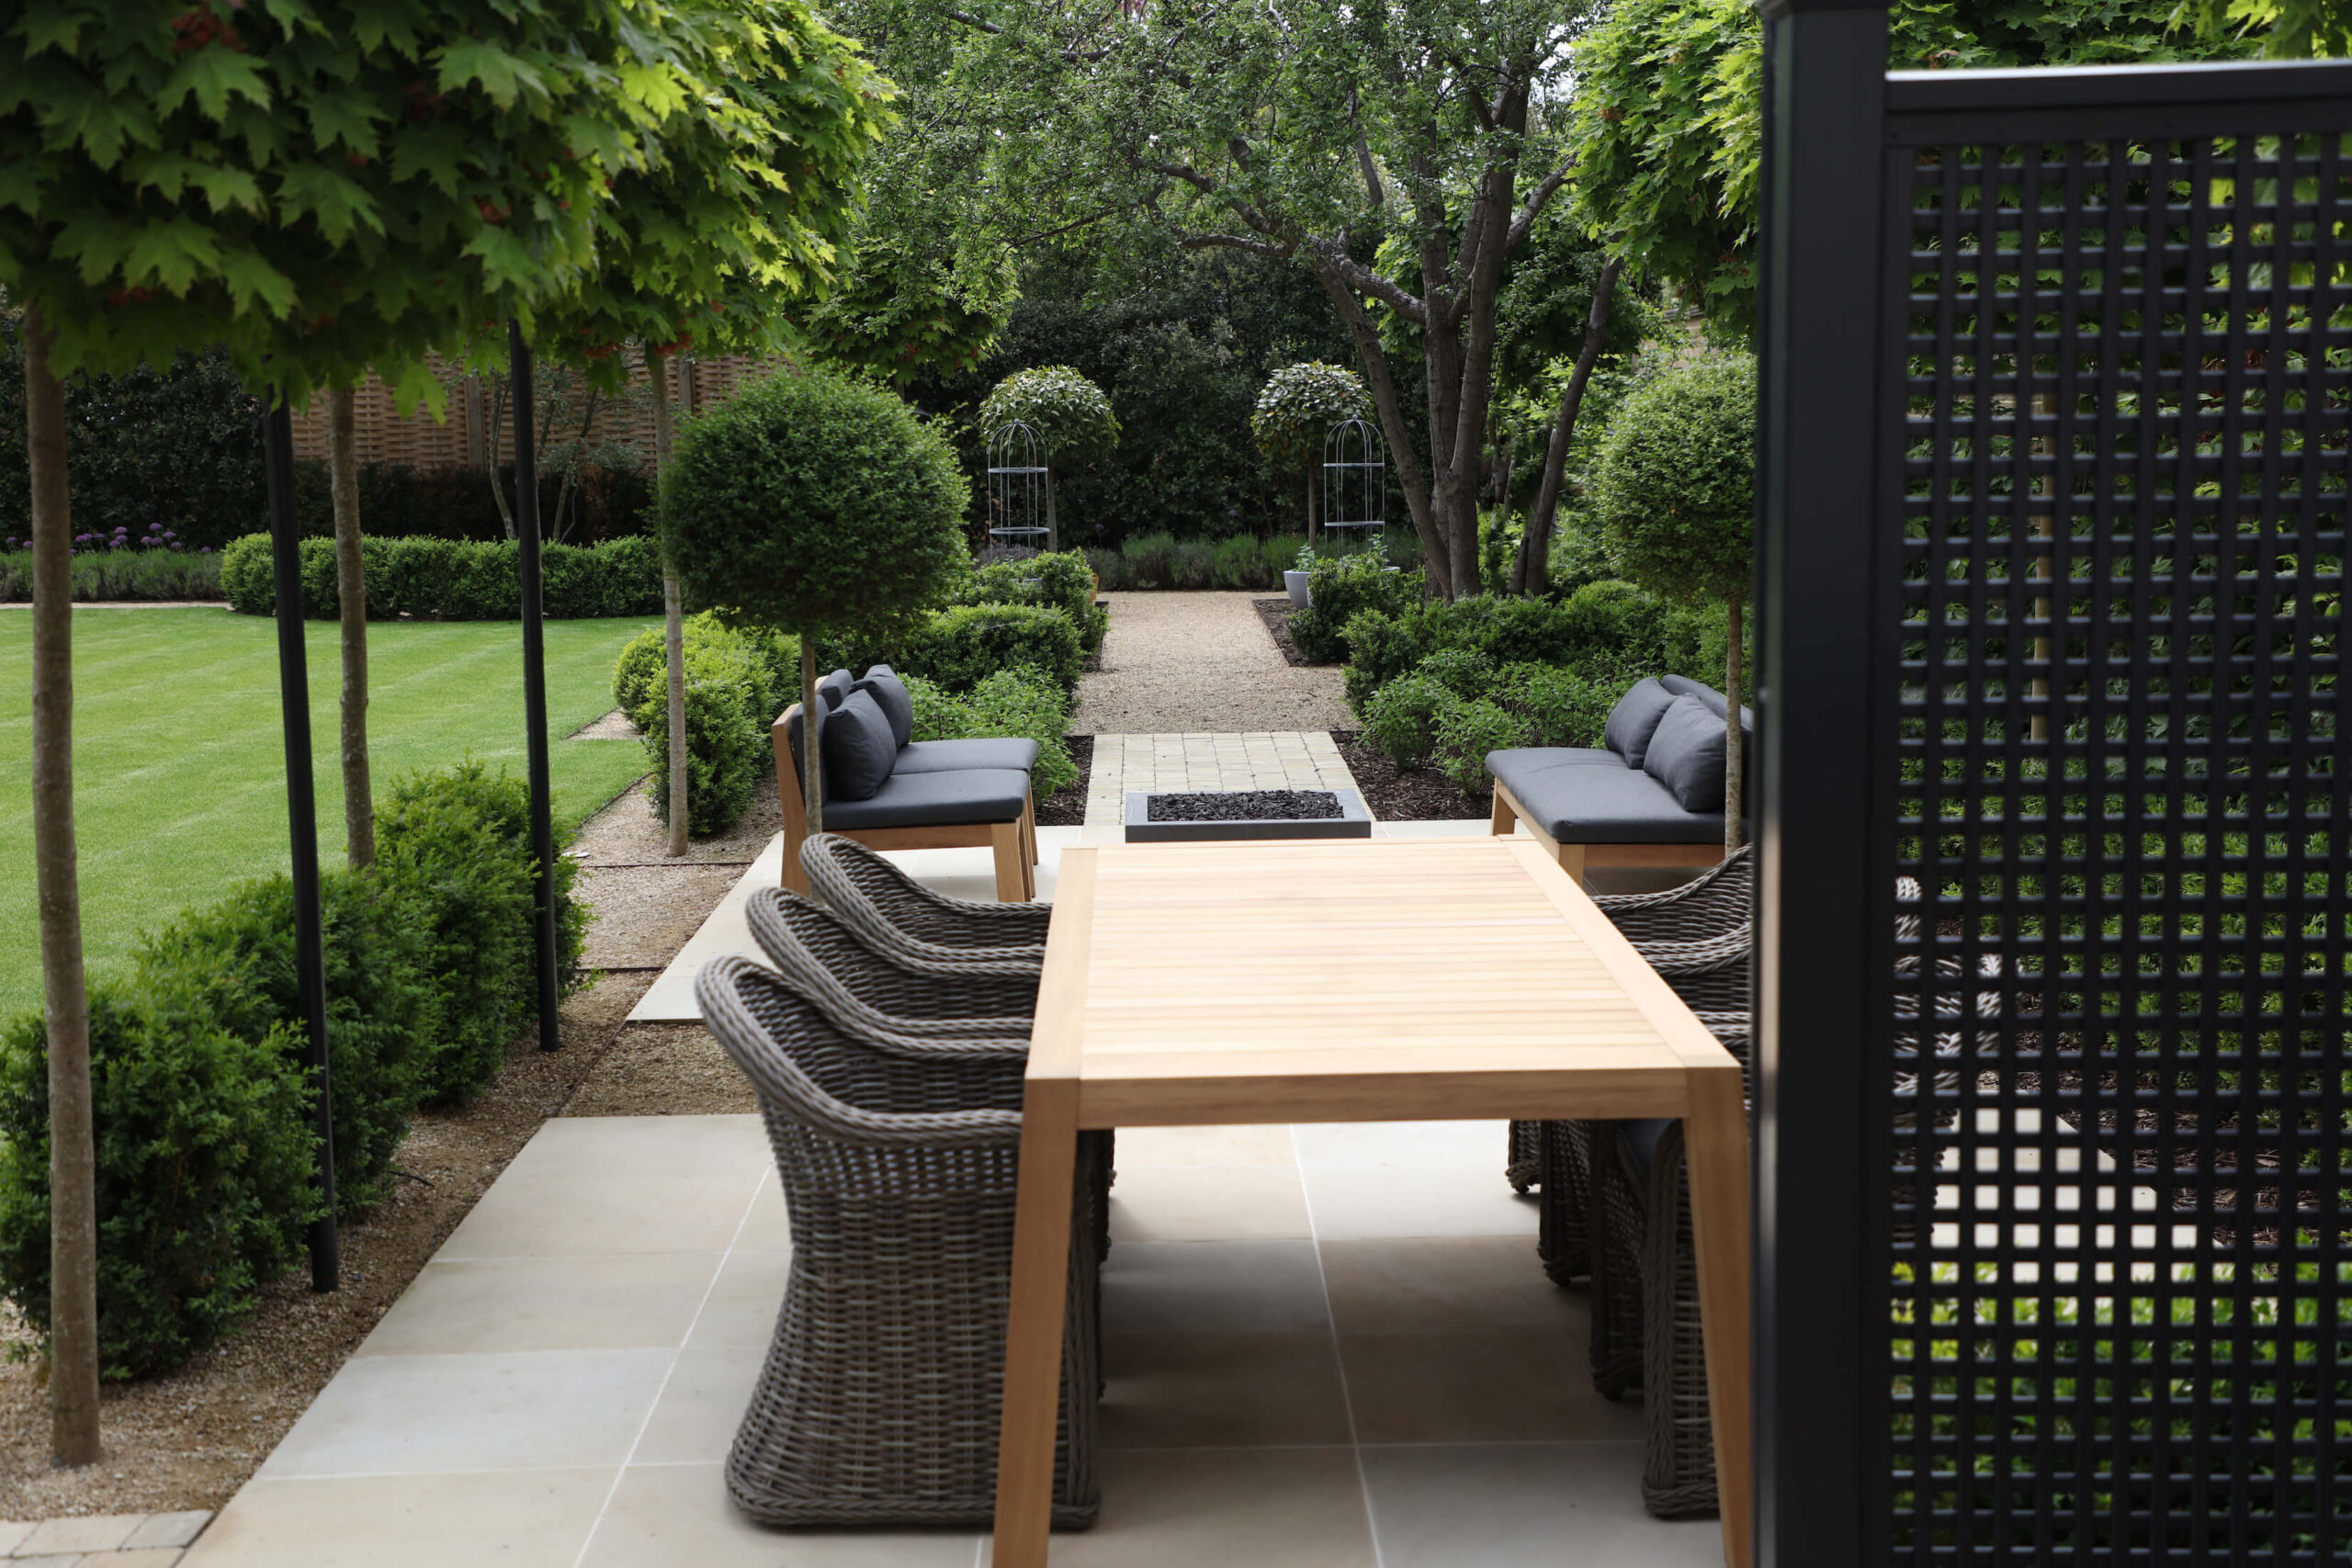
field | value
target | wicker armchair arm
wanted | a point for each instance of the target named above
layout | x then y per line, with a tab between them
779	1079
1701	955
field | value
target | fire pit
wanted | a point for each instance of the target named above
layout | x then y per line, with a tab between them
1154	817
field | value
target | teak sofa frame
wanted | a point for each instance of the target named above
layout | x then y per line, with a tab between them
1015	843
1578	859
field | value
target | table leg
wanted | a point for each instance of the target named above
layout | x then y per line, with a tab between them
1033	1337
1714	1131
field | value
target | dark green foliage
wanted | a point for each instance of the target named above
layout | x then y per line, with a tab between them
1010	702
448	579
204	1171
453	857
1401	717
1560	707
1342	587
817	504
1181	351
1467	732
1062	579
1674	488
120	574
1602	630
237	956
960	647
1464	672
732	698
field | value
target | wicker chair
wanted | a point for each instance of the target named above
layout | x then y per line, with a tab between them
863	990
890	910
879	1401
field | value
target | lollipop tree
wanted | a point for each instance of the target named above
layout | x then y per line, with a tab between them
1296	410
1065	410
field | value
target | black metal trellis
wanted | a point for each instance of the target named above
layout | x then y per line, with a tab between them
2053	474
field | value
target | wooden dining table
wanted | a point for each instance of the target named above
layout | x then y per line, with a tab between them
1365	980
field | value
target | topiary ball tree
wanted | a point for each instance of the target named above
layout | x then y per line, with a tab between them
1297	408
1068	414
1674	490
821	505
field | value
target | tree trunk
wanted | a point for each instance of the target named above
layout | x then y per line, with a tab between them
1310	503
673	621
1538	541
812	771
73	1174
351	594
497	424
1735	795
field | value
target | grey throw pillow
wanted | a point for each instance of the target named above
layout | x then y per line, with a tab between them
858	749
1634	719
836	686
890	694
1686	755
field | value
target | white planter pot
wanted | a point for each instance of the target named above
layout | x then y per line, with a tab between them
1295	583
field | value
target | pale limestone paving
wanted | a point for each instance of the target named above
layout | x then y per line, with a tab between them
1196	663
1202	760
101	1541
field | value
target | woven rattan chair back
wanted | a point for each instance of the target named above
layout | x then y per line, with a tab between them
885	905
879	1400
867	993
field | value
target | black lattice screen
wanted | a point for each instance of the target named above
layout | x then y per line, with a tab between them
2116	1085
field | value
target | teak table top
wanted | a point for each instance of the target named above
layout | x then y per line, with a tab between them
1342	981
1351	980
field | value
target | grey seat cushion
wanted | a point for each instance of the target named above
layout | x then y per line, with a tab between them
940	756
1577	803
1635	716
859	749
1683	686
1687	753
890	694
918	800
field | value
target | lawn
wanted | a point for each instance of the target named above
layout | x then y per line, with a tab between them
178	766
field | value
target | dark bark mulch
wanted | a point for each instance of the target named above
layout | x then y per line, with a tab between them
1405	794
1276	614
1067	808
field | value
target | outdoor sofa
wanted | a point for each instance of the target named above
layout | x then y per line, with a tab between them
1651	797
889	792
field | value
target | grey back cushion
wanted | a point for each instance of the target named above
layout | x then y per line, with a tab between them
890	694
858	749
1634	719
1686	755
835	687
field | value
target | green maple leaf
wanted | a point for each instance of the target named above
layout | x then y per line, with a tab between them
339	205
80	112
96	243
175	254
480	63
252	281
216	77
53	27
431	153
348	118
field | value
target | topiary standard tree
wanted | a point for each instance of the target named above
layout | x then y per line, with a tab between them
821	505
1674	490
1071	418
1297	408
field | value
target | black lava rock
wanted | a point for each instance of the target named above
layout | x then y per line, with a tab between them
1244	805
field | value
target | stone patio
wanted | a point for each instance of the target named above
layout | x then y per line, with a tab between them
1327	1347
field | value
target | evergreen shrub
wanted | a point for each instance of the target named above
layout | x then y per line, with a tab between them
732	700
1010	702
454	579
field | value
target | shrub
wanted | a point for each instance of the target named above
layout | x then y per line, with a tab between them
1463	672
1193	564
128	573
1401	718
1010	702
238	956
1150	560
961	647
1063	580
1467	732
454	579
453	856
1339	588
1560	707
732	702
204	1171
1609	632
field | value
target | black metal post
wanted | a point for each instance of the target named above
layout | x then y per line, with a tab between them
301	824
1819	672
535	679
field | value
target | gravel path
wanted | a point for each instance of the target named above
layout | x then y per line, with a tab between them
1188	663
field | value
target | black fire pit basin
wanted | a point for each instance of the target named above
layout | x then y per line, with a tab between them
1352	822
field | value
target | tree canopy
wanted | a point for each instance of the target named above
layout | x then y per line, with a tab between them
1665	126
1298	406
1068	413
1674	483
